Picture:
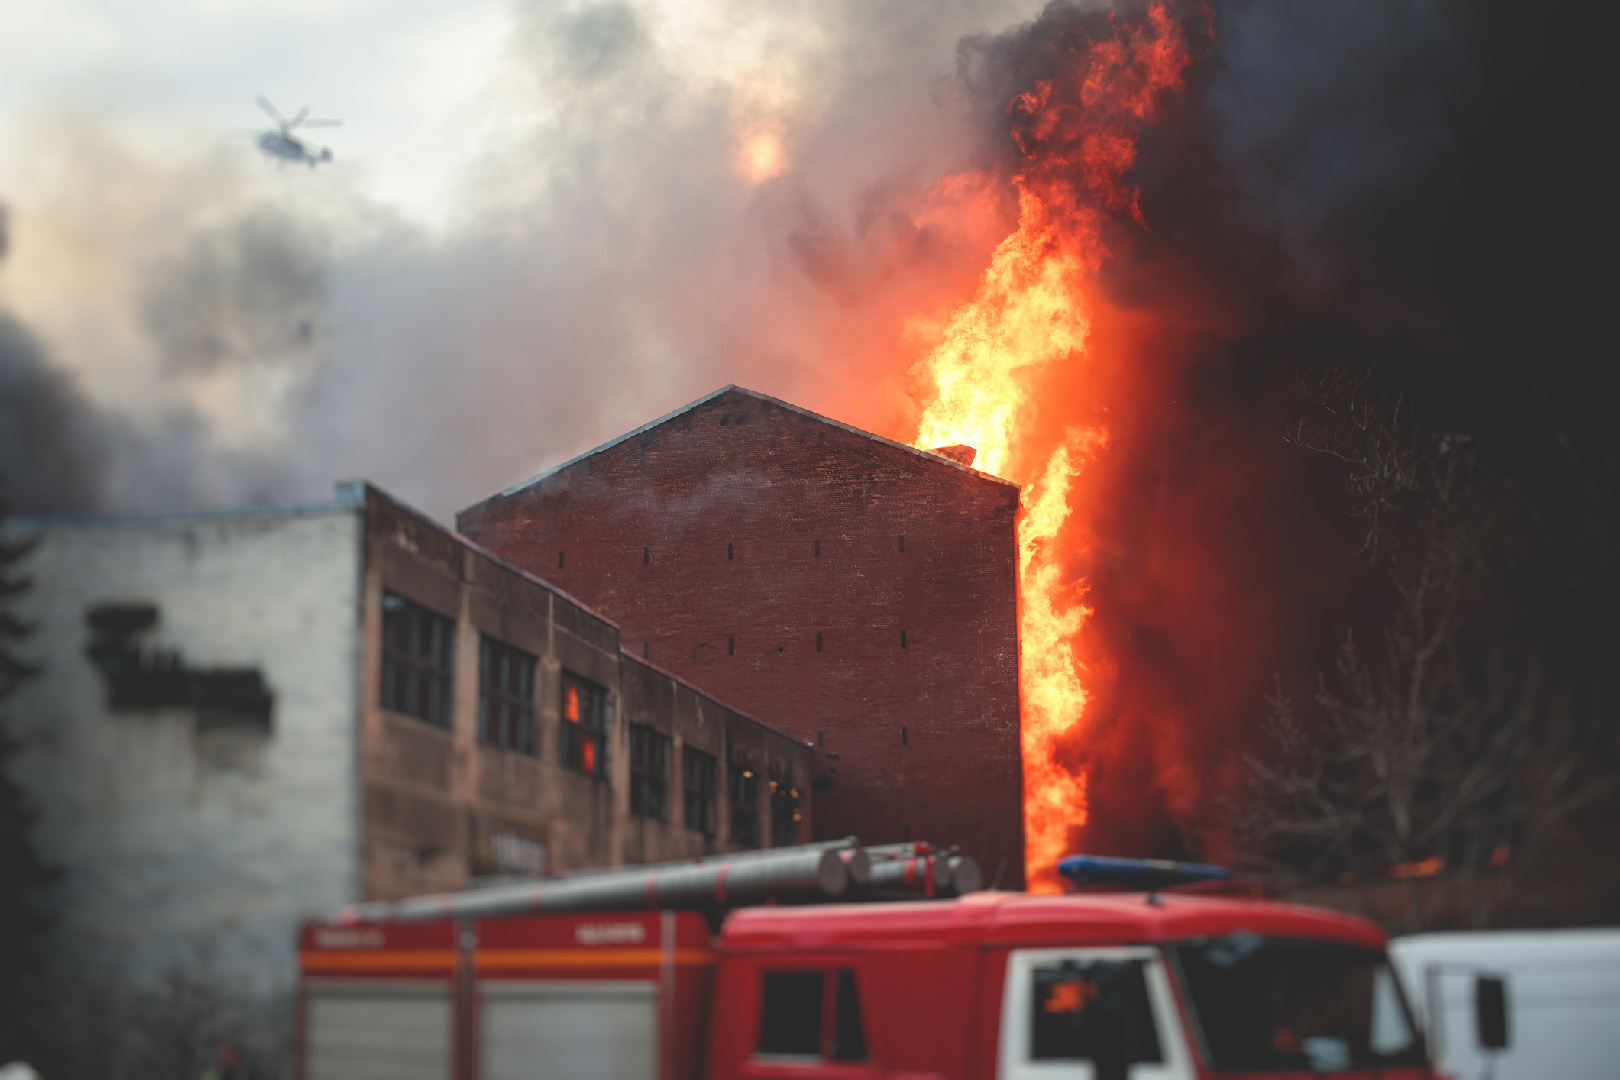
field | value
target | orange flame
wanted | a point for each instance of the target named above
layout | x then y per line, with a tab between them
1028	314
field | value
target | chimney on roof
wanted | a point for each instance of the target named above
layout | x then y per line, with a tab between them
962	455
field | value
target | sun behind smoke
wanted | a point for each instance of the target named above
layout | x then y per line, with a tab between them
761	157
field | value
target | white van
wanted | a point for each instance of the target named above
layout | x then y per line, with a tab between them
1556	1002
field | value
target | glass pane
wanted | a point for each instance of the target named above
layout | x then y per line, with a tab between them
1092	1012
790	1013
849	1037
1279	1005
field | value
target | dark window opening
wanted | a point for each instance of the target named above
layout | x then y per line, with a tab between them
731	646
818	643
1081	1010
902	639
417	649
849	1035
742	784
505	696
646	555
729	552
584	726
698	811
819	742
559	560
818	549
804	1014
649	772
784	808
904	737
902	542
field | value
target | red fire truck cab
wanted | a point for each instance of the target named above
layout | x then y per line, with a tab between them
1151	986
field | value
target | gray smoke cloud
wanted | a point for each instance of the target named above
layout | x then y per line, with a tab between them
609	257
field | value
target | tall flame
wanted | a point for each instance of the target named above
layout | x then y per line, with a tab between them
1029	313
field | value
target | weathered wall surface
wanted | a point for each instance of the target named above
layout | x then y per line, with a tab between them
756	550
184	839
430	791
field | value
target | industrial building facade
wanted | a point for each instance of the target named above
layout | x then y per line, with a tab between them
860	593
245	719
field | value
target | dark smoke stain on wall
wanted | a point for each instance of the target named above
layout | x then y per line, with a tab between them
1414	188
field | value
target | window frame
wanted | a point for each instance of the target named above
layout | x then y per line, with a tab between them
582	741
422	670
784	800
831	971
515	707
1017	1001
742	778
708	796
649	776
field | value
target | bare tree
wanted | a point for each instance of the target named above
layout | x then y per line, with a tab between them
1444	745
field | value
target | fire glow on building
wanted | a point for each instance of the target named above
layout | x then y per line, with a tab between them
993	366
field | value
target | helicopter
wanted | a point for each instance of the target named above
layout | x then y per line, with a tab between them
283	144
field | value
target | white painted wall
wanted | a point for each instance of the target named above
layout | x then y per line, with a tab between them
180	848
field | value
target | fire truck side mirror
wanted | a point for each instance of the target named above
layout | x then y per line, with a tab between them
1491	1012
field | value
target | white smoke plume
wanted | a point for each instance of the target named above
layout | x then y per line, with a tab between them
667	197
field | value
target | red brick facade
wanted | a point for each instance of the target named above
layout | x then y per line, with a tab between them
850	590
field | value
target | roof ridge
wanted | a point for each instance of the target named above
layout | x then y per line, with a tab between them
801	410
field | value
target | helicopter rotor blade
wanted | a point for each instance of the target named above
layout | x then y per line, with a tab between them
322	123
299	119
264	103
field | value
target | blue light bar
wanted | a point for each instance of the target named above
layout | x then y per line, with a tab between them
1137	873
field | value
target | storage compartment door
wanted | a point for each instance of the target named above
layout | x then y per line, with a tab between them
377	1031
569	1031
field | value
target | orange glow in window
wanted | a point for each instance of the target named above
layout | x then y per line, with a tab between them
588	755
1069	997
571	704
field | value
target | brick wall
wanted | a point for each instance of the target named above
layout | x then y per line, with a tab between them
756	550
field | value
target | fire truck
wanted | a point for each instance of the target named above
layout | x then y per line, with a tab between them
799	963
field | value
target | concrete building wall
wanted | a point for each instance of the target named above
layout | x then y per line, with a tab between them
186	836
859	593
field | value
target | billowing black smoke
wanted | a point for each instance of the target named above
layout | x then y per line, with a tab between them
1413	192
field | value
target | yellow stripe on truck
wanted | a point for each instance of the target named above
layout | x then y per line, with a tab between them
379	959
494	959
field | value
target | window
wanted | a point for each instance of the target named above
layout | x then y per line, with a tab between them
649	771
797	1019
697	781
505	696
1084	1012
584	725
1281	1005
742	785
784	808
417	650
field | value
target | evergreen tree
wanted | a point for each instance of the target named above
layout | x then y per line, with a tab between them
23	875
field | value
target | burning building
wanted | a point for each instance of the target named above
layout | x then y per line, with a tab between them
860	592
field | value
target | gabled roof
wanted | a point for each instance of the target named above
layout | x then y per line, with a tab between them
729	387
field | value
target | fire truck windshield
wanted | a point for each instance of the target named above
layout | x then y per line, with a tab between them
1283	1005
